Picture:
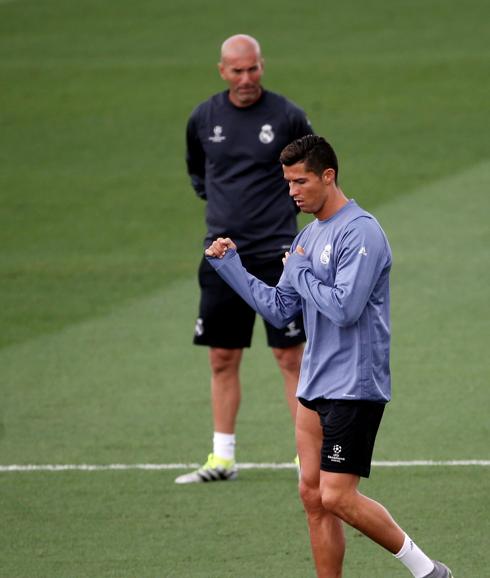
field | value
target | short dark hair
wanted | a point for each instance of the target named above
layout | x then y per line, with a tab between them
314	151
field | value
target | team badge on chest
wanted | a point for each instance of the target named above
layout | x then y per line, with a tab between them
326	253
217	134
266	134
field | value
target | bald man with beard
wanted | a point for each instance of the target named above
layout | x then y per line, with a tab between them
233	144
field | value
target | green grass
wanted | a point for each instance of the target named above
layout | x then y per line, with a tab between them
100	236
115	524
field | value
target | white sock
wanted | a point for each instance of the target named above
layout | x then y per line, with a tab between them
414	559
224	445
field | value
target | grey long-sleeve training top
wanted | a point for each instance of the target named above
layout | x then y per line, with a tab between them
341	285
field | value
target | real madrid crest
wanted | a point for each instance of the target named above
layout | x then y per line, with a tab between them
325	256
266	134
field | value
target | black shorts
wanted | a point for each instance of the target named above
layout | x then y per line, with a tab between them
226	321
349	432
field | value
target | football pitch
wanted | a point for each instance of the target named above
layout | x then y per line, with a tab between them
100	237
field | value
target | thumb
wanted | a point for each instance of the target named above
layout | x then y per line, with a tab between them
300	250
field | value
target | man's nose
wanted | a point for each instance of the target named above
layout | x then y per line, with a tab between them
245	78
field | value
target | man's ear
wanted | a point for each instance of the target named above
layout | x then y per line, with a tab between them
328	176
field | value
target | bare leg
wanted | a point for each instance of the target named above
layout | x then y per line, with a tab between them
289	361
341	497
326	531
225	387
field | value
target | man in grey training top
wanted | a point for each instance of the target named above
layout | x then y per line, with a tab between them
337	273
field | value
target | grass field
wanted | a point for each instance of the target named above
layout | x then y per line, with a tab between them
100	236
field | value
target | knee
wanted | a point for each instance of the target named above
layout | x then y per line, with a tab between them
289	359
334	501
224	361
311	498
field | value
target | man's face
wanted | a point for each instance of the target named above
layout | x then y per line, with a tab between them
242	73
308	190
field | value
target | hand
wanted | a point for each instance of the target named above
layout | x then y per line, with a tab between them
219	247
298	250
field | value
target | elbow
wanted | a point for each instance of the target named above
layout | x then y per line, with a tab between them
276	316
279	323
343	322
277	320
345	311
345	317
278	310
